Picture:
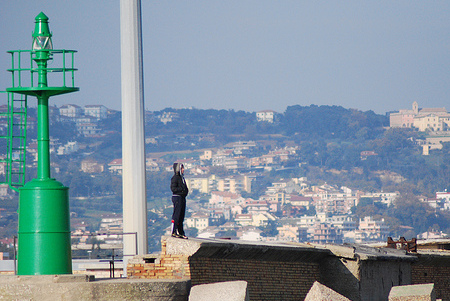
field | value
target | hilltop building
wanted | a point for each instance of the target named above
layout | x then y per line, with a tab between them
115	166
166	117
266	115
70	110
433	119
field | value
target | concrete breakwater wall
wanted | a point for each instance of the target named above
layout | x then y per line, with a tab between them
281	271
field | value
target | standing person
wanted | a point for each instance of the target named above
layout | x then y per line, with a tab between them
180	191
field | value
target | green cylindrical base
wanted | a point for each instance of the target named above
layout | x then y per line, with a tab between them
44	229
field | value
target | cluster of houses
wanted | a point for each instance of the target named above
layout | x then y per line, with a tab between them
302	211
283	213
286	205
299	210
292	209
234	157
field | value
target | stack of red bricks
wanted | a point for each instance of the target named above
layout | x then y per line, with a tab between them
162	266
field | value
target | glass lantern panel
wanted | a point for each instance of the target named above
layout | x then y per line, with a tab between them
42	43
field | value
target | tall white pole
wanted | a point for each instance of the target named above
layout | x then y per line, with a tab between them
133	146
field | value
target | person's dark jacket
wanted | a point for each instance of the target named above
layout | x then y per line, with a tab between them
177	185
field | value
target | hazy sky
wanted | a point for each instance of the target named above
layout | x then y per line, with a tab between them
251	55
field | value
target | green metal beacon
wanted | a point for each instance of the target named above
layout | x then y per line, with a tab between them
44	225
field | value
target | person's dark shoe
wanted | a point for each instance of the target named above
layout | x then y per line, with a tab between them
182	236
175	235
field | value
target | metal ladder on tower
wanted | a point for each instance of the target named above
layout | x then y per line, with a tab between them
15	135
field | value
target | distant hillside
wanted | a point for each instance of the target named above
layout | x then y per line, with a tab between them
331	122
310	122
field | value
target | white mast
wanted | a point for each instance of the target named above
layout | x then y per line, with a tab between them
133	146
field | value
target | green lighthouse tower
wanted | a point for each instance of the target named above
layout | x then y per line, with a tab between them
44	225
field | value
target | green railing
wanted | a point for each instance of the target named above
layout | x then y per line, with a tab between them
24	69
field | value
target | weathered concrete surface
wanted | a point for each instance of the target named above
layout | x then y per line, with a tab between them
365	273
417	292
236	249
320	292
342	276
80	288
223	291
178	246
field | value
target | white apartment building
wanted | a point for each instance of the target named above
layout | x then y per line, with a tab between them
234	184
200	221
384	197
70	110
326	233
243	219
288	233
236	163
241	146
4	189
90	165
115	166
265	115
87	129
329	199
343	223
371	230
256	207
96	111
445	197
201	183
207	155
262	219
2	168
222	198
251	234
299	200
69	148
111	229
432	122
168	117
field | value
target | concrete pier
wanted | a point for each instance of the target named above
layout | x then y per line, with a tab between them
82	287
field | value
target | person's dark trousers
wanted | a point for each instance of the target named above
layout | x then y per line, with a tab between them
179	208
